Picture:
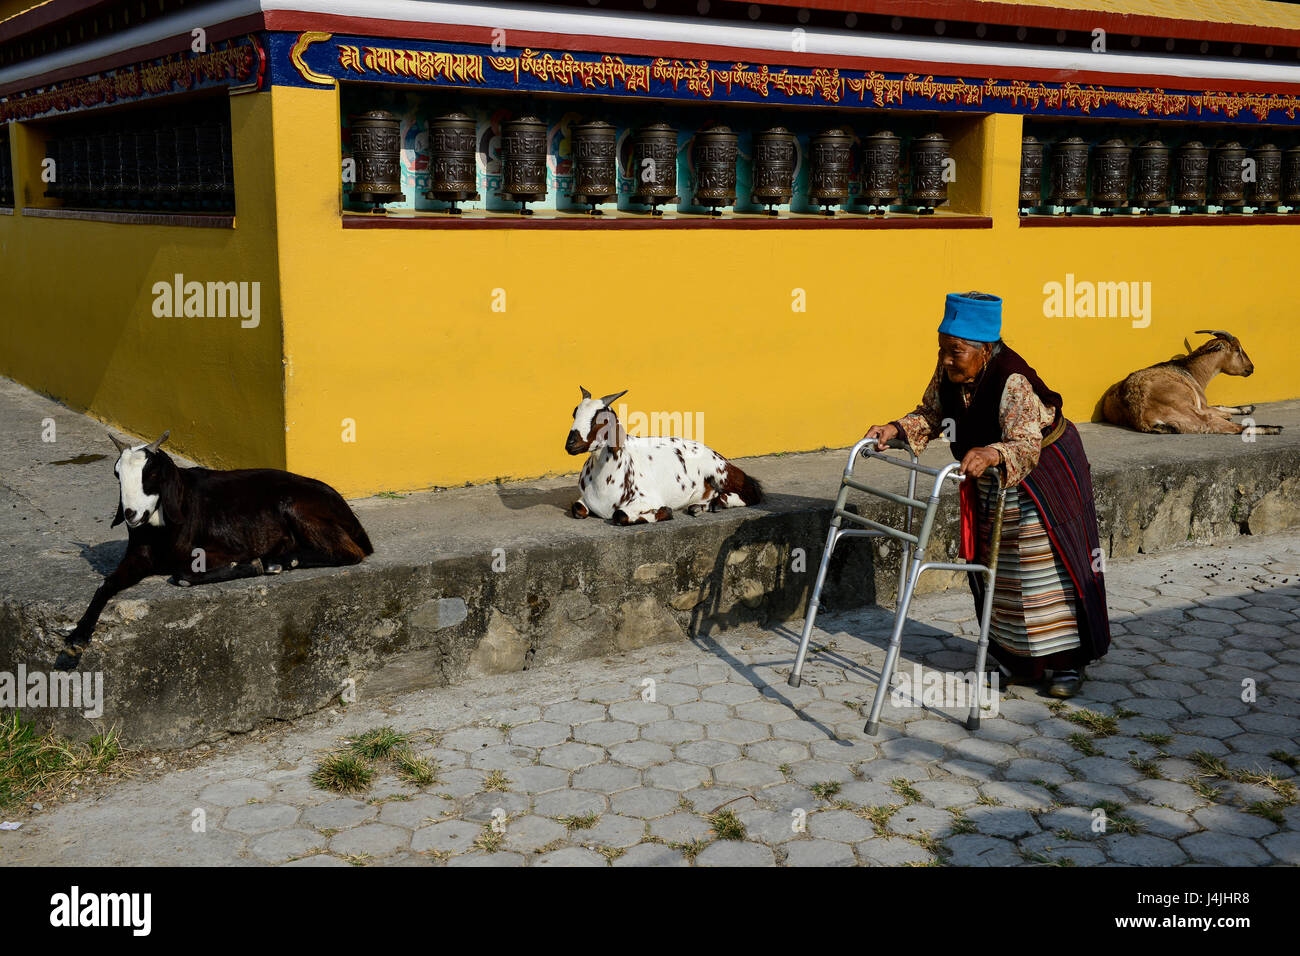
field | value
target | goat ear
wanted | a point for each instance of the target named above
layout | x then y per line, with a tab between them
172	495
585	394
612	398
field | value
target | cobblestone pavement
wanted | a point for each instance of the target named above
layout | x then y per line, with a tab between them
1181	750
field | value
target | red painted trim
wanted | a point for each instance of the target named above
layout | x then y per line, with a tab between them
478	220
1057	18
1199	219
292	21
176	44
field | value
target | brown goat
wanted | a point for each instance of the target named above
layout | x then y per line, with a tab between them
1170	397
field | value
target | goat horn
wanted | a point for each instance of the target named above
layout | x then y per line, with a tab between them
118	443
1219	333
153	446
585	394
612	398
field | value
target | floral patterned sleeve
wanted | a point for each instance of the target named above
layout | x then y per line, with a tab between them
926	421
1023	418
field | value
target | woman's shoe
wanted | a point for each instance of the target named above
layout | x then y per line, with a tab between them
1065	683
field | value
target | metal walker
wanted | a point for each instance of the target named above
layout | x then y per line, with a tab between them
914	551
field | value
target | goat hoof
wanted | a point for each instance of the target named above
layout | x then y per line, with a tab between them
179	581
66	661
620	517
273	569
1247	410
696	510
579	510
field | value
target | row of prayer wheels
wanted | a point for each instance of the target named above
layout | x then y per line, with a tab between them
151	161
1152	175
6	170
453	179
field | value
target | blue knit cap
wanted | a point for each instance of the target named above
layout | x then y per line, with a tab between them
972	315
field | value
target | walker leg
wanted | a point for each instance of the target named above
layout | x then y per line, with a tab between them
796	675
981	651
895	643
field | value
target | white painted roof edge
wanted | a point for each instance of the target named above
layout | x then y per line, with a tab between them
676	30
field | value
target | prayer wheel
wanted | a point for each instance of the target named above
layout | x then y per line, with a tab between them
878	182
1151	175
92	192
654	166
55	148
209	135
523	162
74	173
828	169
1069	172
1267	188
1110	165
773	174
146	154
595	164
714	154
167	191
929	162
129	177
187	164
1031	173
453	163
1229	188
1193	180
376	150
1291	176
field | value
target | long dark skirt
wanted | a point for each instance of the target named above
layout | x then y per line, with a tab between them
1049	601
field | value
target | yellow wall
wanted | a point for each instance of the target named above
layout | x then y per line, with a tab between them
395	330
78	320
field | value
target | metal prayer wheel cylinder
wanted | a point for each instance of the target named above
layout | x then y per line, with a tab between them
376	151
1151	174
1193	180
129	188
73	171
654	166
773	173
829	156
146	157
1110	165
210	173
111	144
1069	172
715	152
168	185
55	148
882	153
1267	188
1031	172
187	163
93	189
1229	187
453	167
595	164
523	161
1291	176
929	161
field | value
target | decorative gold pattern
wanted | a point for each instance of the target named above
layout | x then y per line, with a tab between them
300	47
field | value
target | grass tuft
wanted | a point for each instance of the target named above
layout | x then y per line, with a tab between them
496	780
416	770
726	825
1083	743
343	772
583	822
905	790
1101	725
32	764
377	744
825	790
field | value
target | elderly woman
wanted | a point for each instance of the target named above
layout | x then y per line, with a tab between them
1049	599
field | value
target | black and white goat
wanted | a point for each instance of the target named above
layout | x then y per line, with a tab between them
201	525
642	480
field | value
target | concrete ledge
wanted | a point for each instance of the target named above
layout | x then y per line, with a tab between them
494	579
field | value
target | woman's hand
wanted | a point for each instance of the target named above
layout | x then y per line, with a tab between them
979	460
883	434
